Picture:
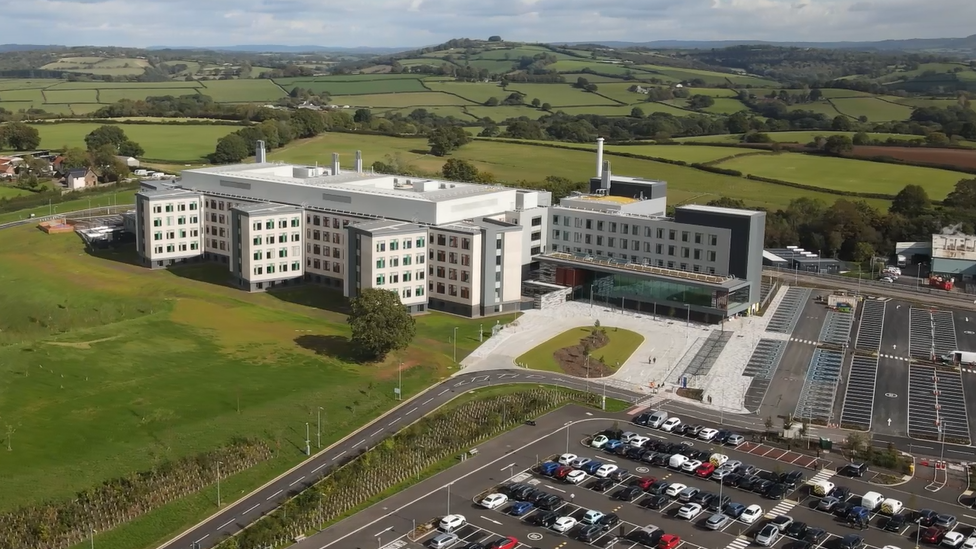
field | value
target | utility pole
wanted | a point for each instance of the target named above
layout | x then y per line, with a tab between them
455	344
308	443
218	484
318	433
399	395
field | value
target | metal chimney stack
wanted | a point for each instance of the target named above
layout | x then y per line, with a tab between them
359	161
335	163
260	153
599	157
605	176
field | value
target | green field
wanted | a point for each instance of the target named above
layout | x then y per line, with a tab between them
456	112
690	153
100	65
376	85
109	96
558	95
577	65
110	198
242	91
422	61
504	112
619	92
622	345
675	74
7	191
131	367
70	96
802	137
875	109
476	92
821	107
595	78
399	100
726	105
176	143
847	174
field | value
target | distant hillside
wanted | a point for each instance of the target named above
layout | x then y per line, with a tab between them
277	48
964	46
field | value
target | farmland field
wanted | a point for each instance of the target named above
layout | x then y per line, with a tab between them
16	95
595	78
558	95
821	107
492	65
576	65
949	157
846	174
625	110
801	137
713	92
726	105
6	191
137	94
100	65
241	91
477	92
378	84
176	142
619	92
422	61
419	99
711	77
70	96
456	112
690	153
873	108
504	112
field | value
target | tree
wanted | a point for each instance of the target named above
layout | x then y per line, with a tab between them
104	135
536	103
838	145
910	201
863	252
362	116
73	158
131	148
841	123
738	123
546	107
230	149
815	94
380	323
491	130
963	195
636	112
446	139
21	137
937	138
459	170
861	138
581	82
491	102
699	102
306	123
495	38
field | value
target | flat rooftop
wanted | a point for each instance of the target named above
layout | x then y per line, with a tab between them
268	208
608	199
379	227
166	193
719	210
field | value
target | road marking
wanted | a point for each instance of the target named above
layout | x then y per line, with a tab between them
201	539
491	520
969	516
424	403
249	510
378	431
222	526
358	443
339	455
610	460
958	452
412	410
297	481
554	488
394	421
316	470
273	495
442	392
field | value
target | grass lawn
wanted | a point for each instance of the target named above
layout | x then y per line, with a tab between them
847	174
515	162
821	107
97	200
577	65
875	109
619	91
790	137
241	91
118	369
726	105
378	84
418	99
7	191
558	95
595	78
690	154
177	143
109	96
476	92
622	344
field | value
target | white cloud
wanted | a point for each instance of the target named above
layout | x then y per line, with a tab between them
425	22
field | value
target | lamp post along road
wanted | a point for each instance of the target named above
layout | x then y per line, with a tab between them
218	484
308	442
455	344
399	393
318	430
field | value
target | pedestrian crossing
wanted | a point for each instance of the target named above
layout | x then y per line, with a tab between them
893	357
781	508
806	341
740	542
822	475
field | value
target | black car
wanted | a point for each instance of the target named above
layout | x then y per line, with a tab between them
799	544
746	470
657	501
545	519
851	541
797	530
619	475
608	521
791	479
925	517
646	537
628	493
536	496
549	503
721	436
700	455
590	533
660	459
634	453
474	545
841	493
762	486
895	522
717	503
731	479
642	418
768	475
622	450
747	482
842	508
511	490
522	492
815	536
854	470
777	491
701	498
601	485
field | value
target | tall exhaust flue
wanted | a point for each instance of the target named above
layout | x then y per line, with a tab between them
260	153
605	176
335	163
359	161
599	157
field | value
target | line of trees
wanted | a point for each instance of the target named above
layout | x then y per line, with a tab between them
300	124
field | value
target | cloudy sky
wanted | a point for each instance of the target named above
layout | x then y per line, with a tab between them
142	23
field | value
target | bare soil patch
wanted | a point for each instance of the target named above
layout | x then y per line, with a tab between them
79	344
947	157
573	359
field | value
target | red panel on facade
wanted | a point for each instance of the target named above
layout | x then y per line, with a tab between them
566	276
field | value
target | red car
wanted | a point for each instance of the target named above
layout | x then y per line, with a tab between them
644	482
504	543
669	541
933	534
705	469
562	471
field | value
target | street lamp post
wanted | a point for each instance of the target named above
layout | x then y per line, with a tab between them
587	372
318	430
455	344
567	439
592	289
92	529
942	431
399	394
448	498
688	318
308	442
218	484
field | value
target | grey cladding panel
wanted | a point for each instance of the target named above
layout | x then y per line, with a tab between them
337	198
235	184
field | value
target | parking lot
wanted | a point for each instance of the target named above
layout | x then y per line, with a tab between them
932	334
788	313
936	404
820	386
859	396
761	368
871	325
836	328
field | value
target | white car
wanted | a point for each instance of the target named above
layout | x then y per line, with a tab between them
707	434
731	464
751	514
718	460
564	524
627	436
566	459
953	539
639	442
599	441
689	511
579	462
494	501
691	465
675	489
452	522
575	476
677	461
606	470
592	516
970	543
670	424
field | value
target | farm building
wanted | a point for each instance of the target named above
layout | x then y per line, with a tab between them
129	161
954	255
80	179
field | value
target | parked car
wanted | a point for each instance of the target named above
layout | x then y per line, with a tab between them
854	470
707	434
692	430
544	519
619	475
520	508
452	522
717	521
796	530
953	539
549	502
608	521
782	522
639	442
734	510
777	491
649	536
612	445
562	472
599	441
628	493
688	493
827	504
674	489
815	536
592	467
768	536
443	541
721	436
851	541
669	541
732	479
670	424
735	440
563	524
705	470
549	468
751	514
504	543
945	521
691	465
575	476
933	534
792	479
601	484
689	511
494	501
589	533
762	486
659	487
592	516
567	459
717	503
747	482
925	517
605	470
896	522
656	502
642	418
720	473
579	462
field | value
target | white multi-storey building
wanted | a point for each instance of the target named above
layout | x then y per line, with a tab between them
168	226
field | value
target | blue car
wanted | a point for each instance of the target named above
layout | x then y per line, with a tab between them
520	508
591	467
734	510
612	445
548	468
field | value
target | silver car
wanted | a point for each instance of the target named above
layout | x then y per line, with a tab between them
767	536
717	521
685	495
442	541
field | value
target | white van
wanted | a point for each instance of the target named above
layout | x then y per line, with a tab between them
871	501
822	488
657	418
677	461
891	506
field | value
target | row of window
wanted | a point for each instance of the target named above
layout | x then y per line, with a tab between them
454	241
645	261
216	231
282	268
396	278
270	239
394	244
172	235
172	248
412	292
282	252
385	262
169	208
181	220
282	224
452	274
634	245
323	221
451	290
324	236
324	250
334	266
634	230
450	257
